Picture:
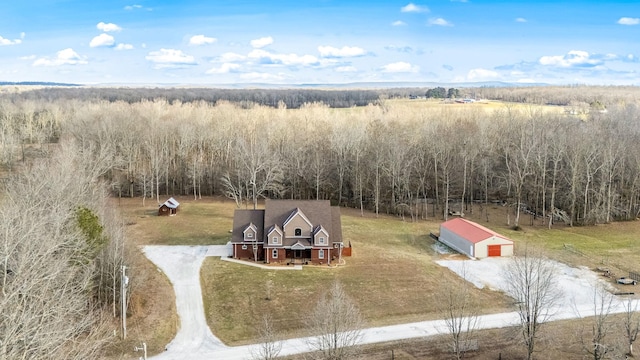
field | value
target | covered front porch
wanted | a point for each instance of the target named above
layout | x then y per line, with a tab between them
298	254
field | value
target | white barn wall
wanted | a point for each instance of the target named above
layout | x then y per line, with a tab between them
482	247
456	242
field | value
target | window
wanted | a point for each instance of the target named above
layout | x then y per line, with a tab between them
244	247
321	240
275	239
321	254
298	232
274	253
249	234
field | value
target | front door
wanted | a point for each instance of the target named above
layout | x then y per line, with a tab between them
298	254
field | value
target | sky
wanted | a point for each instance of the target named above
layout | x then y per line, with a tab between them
320	42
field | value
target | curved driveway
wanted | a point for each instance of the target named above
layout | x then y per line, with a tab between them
195	341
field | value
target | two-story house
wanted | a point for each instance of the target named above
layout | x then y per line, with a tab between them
291	231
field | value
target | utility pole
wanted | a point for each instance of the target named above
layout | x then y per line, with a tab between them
144	350
124	281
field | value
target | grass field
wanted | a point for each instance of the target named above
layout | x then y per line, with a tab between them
392	275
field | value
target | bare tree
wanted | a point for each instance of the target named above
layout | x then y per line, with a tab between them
460	315
336	324
269	346
631	324
53	251
596	347
530	279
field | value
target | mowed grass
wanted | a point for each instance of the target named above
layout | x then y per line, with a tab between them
391	276
204	221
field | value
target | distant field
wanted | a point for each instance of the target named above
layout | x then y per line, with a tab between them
479	105
392	274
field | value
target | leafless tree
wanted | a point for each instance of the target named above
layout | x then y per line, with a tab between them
335	325
631	324
530	279
460	315
52	303
269	346
596	347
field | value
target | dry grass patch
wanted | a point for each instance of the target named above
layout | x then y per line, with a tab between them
151	312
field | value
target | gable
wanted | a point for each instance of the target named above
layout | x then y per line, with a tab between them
241	221
297	219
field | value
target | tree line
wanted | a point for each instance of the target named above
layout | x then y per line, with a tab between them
61	250
391	156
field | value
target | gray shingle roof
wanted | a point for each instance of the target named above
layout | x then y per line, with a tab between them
276	212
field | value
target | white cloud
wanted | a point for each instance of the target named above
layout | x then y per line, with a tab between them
521	20
5	42
574	58
132	7
439	22
63	57
170	58
230	57
102	40
400	67
482	74
346	69
28	57
224	69
345	51
262	42
124	47
108	27
265	57
411	7
629	21
398	23
198	40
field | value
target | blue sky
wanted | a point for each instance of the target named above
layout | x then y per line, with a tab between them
322	41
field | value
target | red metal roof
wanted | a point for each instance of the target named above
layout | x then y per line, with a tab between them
470	230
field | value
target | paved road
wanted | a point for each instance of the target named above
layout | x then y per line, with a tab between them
195	341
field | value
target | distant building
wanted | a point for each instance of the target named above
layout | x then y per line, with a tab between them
169	208
289	231
474	240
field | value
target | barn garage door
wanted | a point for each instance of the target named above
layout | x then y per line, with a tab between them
494	250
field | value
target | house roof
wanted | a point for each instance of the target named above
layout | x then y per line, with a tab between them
171	203
319	212
469	230
242	219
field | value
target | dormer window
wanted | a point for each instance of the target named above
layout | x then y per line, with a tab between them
249	234
276	240
298	232
321	241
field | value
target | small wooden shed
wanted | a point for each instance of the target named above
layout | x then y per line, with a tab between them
169	208
474	240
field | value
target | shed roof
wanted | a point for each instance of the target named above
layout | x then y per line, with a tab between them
171	203
469	230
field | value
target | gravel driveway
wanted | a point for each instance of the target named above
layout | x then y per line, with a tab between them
195	341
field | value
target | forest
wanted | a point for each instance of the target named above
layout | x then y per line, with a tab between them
62	157
405	157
